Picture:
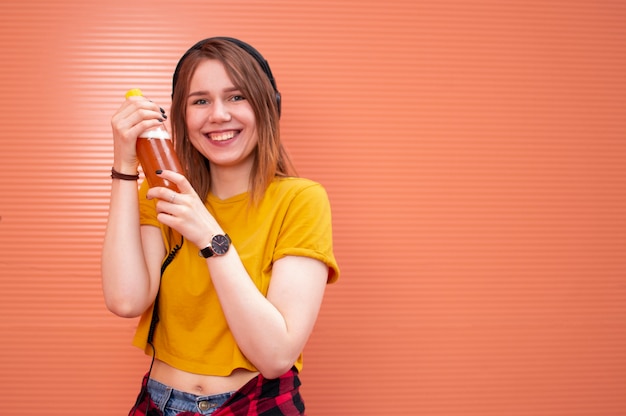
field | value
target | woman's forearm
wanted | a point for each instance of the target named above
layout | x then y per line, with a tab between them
271	331
125	275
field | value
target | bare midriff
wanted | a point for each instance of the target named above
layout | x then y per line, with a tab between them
199	384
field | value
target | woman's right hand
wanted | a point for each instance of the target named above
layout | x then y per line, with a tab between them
136	115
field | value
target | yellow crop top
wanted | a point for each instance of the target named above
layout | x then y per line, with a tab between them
292	219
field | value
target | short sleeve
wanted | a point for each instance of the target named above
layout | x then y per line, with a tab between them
147	208
307	229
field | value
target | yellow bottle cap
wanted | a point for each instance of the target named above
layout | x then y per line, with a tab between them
134	93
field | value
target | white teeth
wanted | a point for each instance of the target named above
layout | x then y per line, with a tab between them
220	137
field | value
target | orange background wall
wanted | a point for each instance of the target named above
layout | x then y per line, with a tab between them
474	153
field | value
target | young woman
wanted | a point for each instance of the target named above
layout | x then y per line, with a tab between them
241	289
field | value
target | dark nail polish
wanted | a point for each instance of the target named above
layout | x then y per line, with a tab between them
161	120
162	110
159	171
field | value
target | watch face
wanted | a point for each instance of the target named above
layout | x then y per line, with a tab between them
220	244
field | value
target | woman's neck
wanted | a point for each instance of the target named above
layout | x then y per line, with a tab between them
228	181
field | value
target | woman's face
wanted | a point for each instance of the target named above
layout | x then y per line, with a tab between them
220	120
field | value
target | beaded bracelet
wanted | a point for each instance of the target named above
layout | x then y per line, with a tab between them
117	175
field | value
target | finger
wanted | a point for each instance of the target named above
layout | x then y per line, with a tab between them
135	117
181	182
143	107
164	194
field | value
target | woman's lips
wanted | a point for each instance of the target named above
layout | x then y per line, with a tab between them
222	135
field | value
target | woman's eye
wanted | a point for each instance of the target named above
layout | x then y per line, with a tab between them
238	98
200	101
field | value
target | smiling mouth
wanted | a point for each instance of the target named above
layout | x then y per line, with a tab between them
222	136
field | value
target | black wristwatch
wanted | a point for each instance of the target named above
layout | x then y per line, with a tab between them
219	245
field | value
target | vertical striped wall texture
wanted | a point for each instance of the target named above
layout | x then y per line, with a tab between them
475	155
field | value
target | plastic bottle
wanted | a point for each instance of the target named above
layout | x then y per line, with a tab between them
155	150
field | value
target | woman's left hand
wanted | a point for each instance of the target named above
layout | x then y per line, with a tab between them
184	211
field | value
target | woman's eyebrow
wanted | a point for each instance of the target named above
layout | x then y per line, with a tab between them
202	92
196	93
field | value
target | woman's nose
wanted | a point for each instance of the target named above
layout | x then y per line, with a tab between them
219	112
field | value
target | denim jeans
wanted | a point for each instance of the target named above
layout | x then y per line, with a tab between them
171	402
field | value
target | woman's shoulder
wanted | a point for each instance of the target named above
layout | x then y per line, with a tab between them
295	194
294	182
294	186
